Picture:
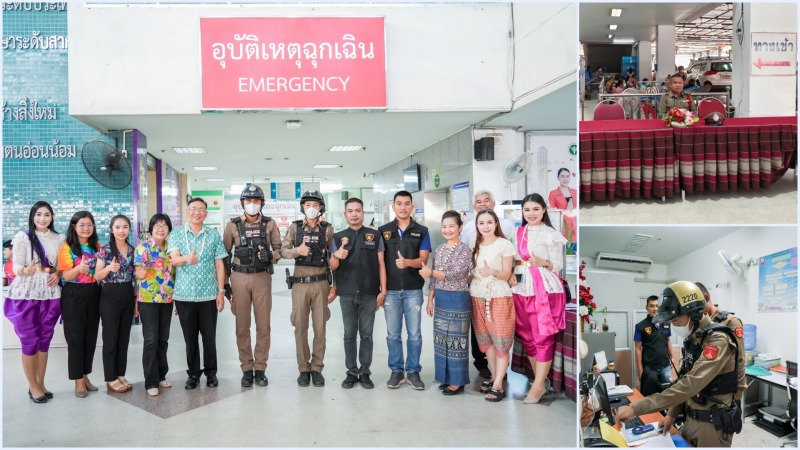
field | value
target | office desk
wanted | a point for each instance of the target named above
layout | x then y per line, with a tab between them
646	159
646	418
752	399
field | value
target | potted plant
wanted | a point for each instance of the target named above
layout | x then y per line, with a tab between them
604	312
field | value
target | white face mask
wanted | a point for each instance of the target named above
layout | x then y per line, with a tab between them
252	209
311	213
682	332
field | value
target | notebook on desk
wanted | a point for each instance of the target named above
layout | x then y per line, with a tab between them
639	439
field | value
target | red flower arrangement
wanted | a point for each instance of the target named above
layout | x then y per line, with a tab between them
679	117
586	306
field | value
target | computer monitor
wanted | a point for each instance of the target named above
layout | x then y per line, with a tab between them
601	393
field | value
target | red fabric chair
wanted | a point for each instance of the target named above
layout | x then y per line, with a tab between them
609	110
649	112
710	105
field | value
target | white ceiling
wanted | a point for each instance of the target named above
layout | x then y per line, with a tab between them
668	244
638	20
239	143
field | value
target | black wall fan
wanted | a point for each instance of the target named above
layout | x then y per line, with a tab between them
106	164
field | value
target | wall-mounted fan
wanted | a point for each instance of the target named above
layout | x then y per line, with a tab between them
734	264
106	164
517	168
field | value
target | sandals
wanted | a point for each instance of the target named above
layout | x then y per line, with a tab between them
498	395
486	386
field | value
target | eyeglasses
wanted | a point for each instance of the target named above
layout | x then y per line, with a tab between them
85	226
160	228
196	210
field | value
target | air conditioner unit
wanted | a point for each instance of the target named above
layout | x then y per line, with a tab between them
627	263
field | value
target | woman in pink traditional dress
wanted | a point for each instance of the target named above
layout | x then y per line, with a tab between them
539	298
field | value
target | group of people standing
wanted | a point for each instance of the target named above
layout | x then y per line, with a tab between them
480	281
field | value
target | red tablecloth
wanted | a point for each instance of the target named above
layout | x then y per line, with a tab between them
645	159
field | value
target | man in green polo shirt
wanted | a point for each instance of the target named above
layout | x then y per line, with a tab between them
198	253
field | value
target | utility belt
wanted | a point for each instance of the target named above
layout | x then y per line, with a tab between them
243	269
291	280
728	420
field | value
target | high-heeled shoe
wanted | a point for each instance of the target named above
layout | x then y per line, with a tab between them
89	385
42	399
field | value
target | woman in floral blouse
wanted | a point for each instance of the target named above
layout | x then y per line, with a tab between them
117	300
156	280
80	298
451	306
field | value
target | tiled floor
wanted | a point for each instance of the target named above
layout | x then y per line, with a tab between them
281	414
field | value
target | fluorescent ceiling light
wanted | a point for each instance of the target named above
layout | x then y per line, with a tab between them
616	12
214	179
189	150
326	166
313	179
328	187
346	148
206	168
623	40
293	124
610	36
612	27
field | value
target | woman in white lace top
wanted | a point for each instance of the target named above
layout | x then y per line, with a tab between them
492	305
32	303
539	298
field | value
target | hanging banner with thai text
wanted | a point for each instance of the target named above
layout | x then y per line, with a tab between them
293	63
773	54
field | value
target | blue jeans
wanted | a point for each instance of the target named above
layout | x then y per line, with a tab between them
664	375
399	304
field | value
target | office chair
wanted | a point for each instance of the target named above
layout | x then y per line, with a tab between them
608	110
791	408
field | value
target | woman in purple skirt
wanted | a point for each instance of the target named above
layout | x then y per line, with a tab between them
32	302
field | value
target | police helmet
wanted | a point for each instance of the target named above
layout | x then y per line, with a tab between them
252	191
315	196
678	299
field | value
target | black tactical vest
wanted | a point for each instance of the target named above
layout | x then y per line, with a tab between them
316	241
408	246
358	273
655	349
249	240
724	383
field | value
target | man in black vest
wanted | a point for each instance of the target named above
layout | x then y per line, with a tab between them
407	248
360	274
306	242
653	347
254	244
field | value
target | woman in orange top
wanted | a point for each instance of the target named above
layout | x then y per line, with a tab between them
80	298
563	197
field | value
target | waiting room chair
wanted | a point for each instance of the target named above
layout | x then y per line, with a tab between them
608	110
791	408
632	105
707	106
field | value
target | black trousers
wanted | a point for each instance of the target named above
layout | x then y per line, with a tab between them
117	301
479	357
80	308
358	316
156	321
199	317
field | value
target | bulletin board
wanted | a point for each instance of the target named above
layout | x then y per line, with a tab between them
777	282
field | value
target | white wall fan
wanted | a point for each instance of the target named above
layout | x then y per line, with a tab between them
735	265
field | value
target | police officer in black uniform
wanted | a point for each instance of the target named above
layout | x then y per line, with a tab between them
306	242
708	379
253	243
360	274
653	350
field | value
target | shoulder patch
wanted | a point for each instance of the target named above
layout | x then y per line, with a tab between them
710	352
739	332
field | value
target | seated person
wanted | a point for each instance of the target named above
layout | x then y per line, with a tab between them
674	97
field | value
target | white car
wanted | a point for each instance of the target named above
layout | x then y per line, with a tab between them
716	70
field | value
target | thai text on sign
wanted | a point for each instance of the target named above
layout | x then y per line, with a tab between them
293	63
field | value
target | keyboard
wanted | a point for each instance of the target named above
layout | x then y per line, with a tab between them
633	423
